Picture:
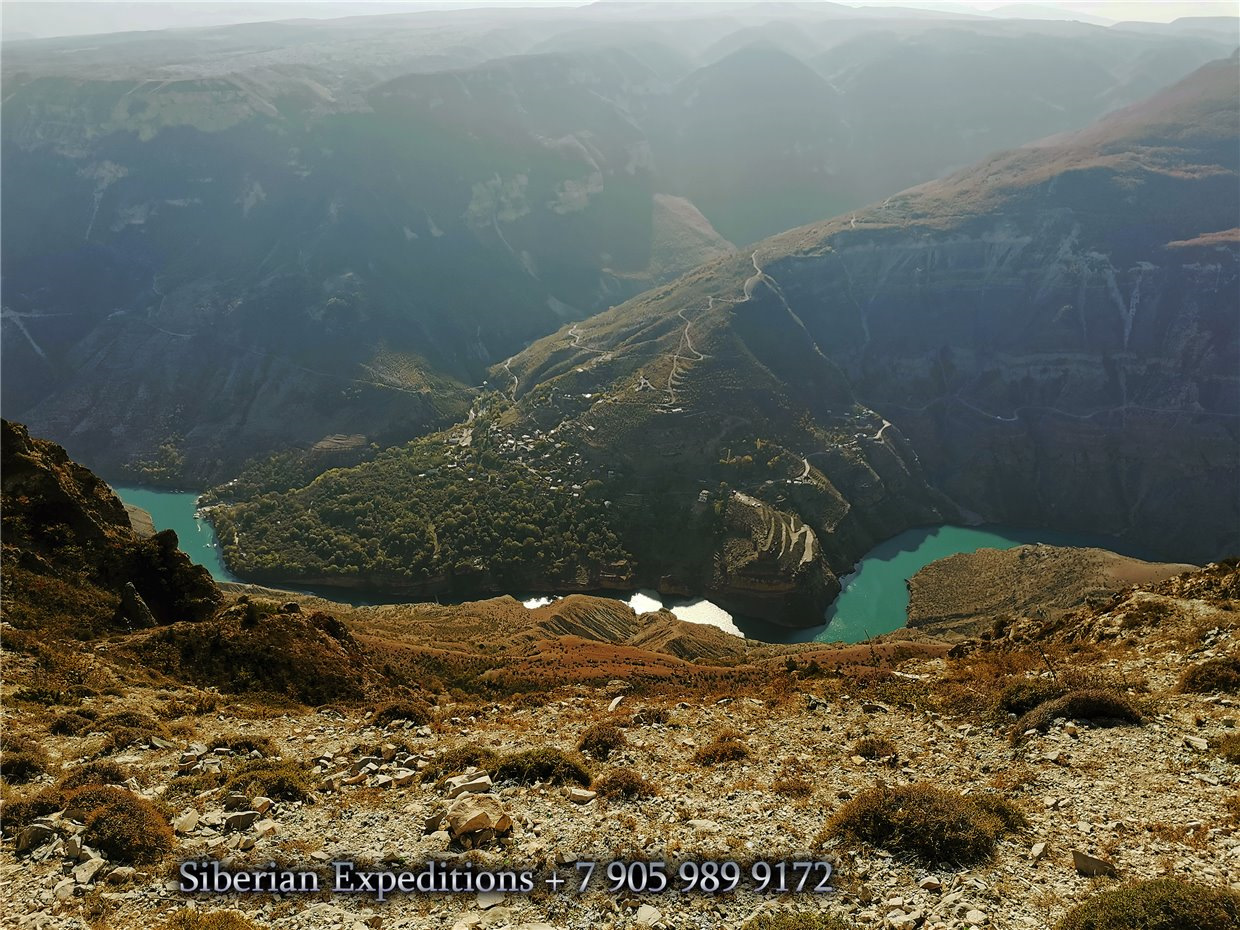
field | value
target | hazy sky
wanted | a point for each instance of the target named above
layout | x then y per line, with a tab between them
45	18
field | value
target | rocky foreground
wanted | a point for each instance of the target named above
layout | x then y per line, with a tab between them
1151	799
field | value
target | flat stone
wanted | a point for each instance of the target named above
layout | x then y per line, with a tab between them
1196	742
474	813
1089	865
489	899
581	795
704	826
262	805
242	820
649	916
470	783
186	822
121	874
33	836
1037	851
930	883
85	873
266	827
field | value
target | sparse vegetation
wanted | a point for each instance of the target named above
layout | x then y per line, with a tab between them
874	747
601	740
22	761
1228	746
786	919
1101	706
545	764
934	824
190	919
128	728
281	780
20	810
122	825
416	712
793	786
727	746
1157	904
1221	674
460	758
623	784
72	723
99	772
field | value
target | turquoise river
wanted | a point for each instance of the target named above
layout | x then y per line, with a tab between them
874	598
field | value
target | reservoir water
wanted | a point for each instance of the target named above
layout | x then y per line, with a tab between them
175	510
874	598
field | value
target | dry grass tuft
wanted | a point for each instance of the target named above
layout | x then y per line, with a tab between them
545	764
122	825
874	747
281	780
1221	674
190	919
1102	706
1158	904
624	784
934	825
726	747
99	772
601	740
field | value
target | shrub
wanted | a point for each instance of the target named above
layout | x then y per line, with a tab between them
190	919
1157	904
1228	746
72	723
649	716
932	824
1099	705
874	747
624	784
601	740
543	763
99	772
796	920
793	786
22	810
22	761
417	713
1222	674
124	826
726	747
460	758
1025	695
281	780
129	727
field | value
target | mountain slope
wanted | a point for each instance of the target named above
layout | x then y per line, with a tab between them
1045	339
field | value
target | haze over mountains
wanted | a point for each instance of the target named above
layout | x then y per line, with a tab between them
236	240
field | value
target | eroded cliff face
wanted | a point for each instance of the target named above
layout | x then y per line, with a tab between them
1047	376
72	562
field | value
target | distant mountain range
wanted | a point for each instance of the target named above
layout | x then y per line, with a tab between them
1046	338
231	241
